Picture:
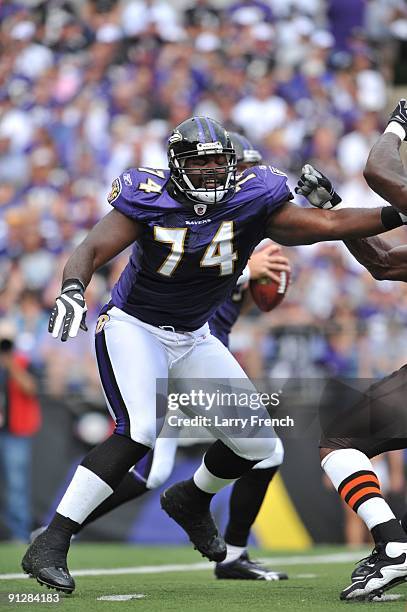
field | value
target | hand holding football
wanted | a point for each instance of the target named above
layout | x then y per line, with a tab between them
270	276
267	293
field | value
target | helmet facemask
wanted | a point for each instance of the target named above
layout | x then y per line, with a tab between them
201	183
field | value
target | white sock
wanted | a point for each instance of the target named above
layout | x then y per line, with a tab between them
353	476
233	552
209	483
85	493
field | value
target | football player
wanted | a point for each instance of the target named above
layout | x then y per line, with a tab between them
193	229
378	421
249	490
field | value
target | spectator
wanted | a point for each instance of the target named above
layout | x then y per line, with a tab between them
20	420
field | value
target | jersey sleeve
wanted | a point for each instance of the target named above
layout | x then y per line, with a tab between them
128	197
277	190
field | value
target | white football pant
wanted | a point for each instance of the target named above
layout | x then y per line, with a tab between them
133	355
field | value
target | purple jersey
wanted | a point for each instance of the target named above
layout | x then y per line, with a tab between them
188	259
226	315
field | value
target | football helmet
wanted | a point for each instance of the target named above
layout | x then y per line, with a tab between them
246	154
196	139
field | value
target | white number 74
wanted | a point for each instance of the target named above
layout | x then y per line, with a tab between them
218	253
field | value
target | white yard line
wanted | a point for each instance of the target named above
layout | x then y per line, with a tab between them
345	557
121	597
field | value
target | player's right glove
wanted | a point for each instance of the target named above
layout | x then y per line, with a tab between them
69	312
399	115
317	188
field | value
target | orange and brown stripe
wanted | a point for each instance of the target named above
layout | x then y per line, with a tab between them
358	488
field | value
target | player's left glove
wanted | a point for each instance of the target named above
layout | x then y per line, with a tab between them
317	188
69	312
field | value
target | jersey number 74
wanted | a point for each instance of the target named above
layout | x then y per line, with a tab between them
219	251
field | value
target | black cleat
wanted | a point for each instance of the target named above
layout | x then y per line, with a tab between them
34	534
48	565
199	526
366	565
383	569
245	569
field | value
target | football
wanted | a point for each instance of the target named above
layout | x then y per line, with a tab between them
267	294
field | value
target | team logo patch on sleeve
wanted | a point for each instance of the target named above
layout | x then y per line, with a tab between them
101	322
115	191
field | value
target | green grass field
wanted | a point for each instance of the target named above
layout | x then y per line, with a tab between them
316	579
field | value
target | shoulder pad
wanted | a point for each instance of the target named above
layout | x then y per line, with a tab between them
136	183
138	190
266	184
142	181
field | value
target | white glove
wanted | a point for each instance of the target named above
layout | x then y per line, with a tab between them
69	312
317	188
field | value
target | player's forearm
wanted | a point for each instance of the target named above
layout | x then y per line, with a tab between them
292	225
385	173
81	264
352	223
307	226
109	237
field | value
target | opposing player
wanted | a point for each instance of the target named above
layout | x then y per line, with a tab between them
378	421
193	229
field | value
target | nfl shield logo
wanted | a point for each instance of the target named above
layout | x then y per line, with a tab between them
200	209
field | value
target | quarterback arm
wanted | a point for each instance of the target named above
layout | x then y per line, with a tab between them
292	225
109	237
385	173
383	261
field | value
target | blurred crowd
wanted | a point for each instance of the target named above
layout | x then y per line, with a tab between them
90	88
